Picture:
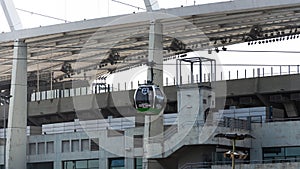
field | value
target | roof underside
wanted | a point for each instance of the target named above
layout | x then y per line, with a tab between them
101	46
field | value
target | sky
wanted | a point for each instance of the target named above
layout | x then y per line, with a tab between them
76	10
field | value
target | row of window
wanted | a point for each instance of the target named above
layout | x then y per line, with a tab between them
74	145
66	146
41	148
80	145
81	164
281	153
113	163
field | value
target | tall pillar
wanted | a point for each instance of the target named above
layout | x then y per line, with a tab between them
17	117
155	54
154	123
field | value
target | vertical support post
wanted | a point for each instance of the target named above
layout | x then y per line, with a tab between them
155	54
200	72
17	117
192	72
167	81
153	128
174	80
232	157
180	76
280	70
271	71
221	75
211	72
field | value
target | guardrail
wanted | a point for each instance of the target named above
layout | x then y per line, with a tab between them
241	73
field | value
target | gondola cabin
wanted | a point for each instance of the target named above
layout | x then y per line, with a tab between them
149	99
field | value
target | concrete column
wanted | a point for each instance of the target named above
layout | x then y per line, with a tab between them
17	117
129	163
155	54
154	123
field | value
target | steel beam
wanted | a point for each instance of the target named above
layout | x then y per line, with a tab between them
11	15
151	5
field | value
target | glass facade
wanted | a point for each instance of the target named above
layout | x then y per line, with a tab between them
279	154
81	164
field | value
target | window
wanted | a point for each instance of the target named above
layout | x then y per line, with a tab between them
138	141
292	151
43	165
41	148
65	146
75	145
32	149
93	164
68	165
95	144
81	164
85	145
138	163
116	163
277	154
50	147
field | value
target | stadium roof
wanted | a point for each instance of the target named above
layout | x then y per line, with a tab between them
116	43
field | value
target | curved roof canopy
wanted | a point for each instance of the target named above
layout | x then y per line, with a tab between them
110	44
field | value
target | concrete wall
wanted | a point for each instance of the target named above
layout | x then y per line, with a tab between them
274	134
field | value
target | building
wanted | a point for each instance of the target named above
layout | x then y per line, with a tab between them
57	119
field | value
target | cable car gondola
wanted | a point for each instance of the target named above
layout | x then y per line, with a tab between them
149	99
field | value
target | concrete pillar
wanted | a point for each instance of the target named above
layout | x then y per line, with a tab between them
154	123
17	117
129	163
155	54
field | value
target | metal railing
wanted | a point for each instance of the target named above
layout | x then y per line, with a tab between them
241	73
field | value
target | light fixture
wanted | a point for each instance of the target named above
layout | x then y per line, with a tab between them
209	51
217	50
67	69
